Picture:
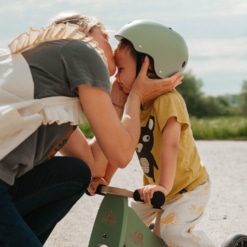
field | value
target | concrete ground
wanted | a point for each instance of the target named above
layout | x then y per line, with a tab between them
226	214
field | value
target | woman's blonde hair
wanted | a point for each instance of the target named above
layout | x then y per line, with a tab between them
86	23
63	26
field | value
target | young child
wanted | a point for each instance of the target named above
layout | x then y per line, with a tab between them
167	152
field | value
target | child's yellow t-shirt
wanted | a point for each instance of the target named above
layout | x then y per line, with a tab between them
190	172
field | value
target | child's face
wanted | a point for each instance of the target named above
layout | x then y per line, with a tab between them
126	66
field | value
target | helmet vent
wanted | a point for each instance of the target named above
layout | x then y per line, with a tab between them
184	63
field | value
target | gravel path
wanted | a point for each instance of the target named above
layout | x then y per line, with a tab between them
226	214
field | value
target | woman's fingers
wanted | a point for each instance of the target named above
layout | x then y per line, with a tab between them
149	89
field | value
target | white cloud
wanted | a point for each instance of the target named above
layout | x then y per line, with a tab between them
218	27
220	65
218	47
233	7
222	55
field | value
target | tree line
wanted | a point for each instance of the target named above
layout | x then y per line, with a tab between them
200	105
212	118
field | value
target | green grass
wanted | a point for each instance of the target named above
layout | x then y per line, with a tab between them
220	128
217	128
86	129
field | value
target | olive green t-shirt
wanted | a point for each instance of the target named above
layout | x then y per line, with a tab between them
57	68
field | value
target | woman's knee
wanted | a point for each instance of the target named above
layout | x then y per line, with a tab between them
79	171
72	170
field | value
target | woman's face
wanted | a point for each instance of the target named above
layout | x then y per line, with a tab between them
126	66
103	43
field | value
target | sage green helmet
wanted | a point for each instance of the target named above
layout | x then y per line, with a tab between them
164	45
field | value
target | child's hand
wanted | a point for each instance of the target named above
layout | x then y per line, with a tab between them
147	192
95	182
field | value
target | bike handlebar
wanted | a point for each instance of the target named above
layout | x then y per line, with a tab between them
157	200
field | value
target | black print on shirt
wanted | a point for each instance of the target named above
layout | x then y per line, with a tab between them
144	148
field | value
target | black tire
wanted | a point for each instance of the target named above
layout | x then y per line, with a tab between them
236	240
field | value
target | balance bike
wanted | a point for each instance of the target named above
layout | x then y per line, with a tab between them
235	240
117	225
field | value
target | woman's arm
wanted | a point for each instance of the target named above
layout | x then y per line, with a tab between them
96	181
87	150
117	139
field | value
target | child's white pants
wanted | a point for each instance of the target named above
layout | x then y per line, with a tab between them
180	217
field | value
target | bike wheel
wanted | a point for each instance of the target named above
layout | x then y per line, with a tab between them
236	240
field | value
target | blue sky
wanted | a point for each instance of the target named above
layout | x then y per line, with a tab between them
215	30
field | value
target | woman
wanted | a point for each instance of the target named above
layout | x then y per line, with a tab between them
51	77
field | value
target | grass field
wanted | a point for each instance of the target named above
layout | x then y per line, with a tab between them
217	128
220	128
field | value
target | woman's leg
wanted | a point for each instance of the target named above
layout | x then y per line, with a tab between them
45	195
14	232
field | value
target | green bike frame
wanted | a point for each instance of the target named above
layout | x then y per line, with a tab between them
117	225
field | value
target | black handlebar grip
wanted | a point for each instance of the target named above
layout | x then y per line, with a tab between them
157	201
98	190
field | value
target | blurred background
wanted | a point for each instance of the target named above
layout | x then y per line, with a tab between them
215	81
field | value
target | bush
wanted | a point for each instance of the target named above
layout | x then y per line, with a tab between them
219	128
86	129
215	128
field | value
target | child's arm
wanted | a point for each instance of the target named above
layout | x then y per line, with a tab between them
170	145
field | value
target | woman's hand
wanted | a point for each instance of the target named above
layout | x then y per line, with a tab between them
147	192
149	89
95	182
